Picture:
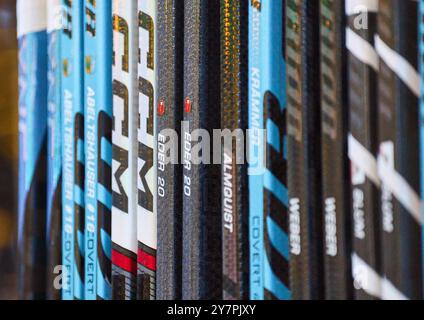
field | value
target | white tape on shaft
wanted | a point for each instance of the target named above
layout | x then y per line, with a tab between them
399	65
363	159
365	277
400	188
372	283
31	16
390	292
362	49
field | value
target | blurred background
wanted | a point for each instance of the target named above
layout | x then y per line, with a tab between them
8	146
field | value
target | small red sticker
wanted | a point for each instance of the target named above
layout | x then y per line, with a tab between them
187	105
161	108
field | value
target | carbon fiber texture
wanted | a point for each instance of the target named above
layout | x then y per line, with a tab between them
170	98
362	104
124	284
234	16
398	130
202	244
335	169
304	181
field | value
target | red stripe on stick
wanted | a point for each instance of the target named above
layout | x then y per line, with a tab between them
146	260
124	262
